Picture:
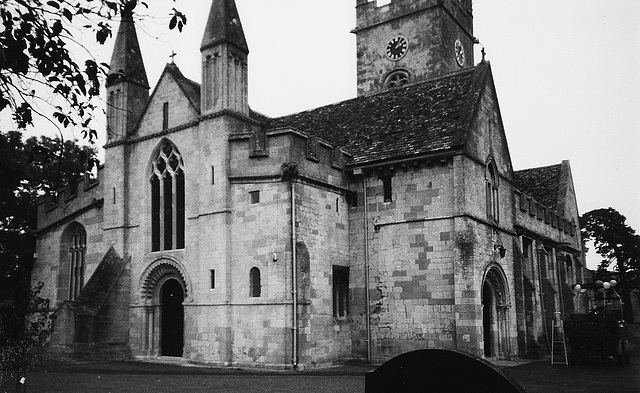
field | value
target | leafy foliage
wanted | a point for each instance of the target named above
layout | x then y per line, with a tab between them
612	237
35	56
29	170
619	246
17	351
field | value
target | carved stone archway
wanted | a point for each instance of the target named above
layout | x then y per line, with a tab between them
154	281
495	309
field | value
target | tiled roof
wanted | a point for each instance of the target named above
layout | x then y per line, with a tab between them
418	119
541	183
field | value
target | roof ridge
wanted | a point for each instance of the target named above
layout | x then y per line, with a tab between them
383	92
559	165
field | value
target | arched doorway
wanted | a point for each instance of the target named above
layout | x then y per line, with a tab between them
172	318
488	319
495	305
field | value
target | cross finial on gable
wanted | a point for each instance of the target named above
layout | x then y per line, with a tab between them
172	55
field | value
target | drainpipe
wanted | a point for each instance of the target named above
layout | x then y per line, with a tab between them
366	269
294	278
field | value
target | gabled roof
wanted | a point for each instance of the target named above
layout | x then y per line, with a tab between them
423	118
126	60
223	26
190	88
542	184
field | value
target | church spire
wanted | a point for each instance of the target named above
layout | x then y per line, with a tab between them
224	25
224	54
127	83
126	60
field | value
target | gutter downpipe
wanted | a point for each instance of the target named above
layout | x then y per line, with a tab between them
294	278
366	268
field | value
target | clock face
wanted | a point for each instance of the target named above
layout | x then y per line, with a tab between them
397	48
459	50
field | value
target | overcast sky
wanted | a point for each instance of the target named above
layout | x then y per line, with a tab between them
567	75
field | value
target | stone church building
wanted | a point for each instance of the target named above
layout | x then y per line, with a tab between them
389	222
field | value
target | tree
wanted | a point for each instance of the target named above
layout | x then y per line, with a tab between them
619	245
36	55
30	170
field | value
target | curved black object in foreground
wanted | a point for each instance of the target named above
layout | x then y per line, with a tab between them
438	370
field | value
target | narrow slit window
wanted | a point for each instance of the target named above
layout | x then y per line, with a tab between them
165	115
255	286
386	187
213	278
340	291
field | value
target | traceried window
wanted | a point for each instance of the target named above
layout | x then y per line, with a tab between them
491	181
397	79
167	199
77	253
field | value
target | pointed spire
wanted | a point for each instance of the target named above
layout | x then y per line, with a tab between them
224	25
126	60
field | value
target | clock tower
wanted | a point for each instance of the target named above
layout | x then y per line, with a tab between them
406	41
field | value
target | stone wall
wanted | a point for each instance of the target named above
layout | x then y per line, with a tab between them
56	222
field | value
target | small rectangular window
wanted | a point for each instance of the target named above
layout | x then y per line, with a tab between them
340	291
255	197
72	189
526	247
213	278
386	186
165	115
213	175
352	198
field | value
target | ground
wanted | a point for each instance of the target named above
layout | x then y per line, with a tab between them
595	376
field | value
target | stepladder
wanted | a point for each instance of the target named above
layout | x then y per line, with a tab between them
558	342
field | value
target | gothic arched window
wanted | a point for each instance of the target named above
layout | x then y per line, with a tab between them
254	282
491	180
397	79
167	199
77	251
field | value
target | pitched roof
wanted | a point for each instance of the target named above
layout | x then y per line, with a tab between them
422	118
190	88
224	25
94	294
126	60
542	183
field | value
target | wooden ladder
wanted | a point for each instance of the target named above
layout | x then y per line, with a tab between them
558	342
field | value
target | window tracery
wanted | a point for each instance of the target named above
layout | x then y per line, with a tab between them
167	199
